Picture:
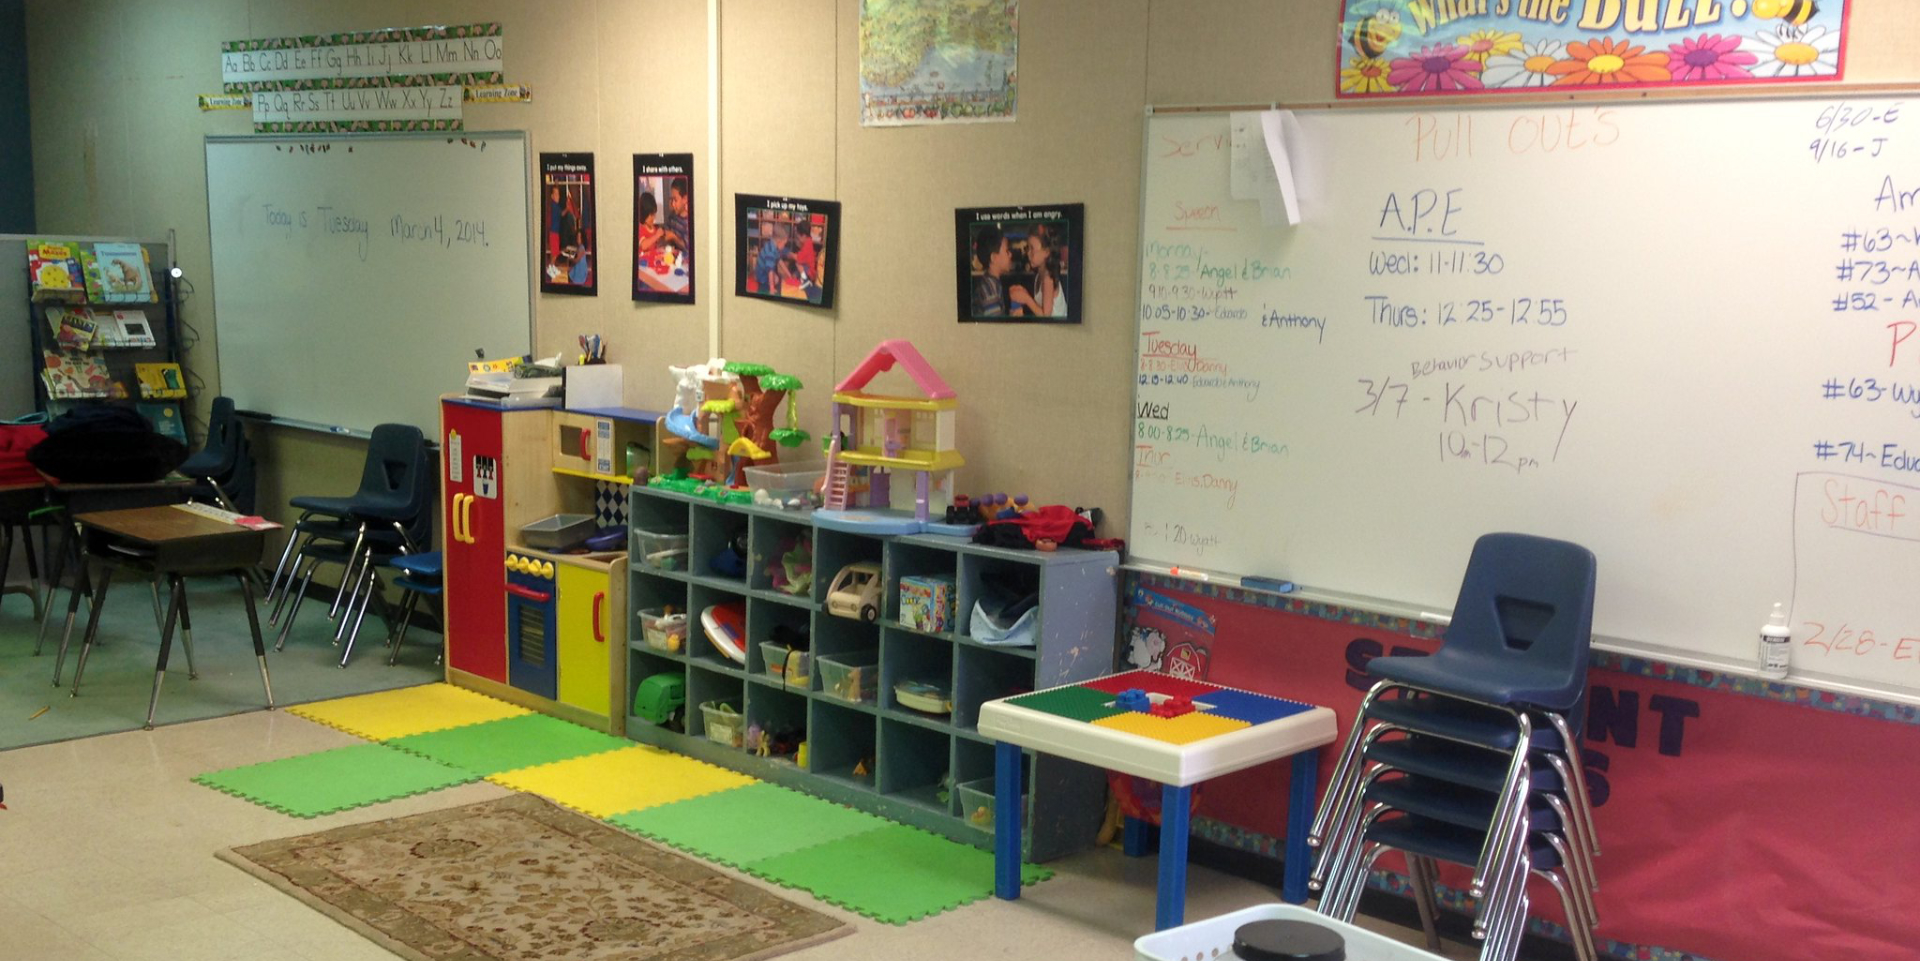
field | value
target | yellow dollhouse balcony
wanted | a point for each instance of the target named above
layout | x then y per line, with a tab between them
926	460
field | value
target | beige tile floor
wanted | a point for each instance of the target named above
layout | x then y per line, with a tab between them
106	852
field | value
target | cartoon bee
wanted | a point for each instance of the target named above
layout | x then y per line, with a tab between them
1795	12
1376	32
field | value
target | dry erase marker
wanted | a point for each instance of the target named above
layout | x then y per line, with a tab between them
1189	574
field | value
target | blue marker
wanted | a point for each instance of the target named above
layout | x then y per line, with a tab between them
1273	584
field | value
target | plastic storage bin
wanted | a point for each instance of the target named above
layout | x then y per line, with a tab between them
725	724
662	550
779	658
1213	938
976	803
786	484
559	532
854	678
663	631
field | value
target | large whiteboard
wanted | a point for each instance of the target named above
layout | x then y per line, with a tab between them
1670	332
354	275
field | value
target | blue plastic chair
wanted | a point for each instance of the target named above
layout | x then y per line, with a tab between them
420	576
391	452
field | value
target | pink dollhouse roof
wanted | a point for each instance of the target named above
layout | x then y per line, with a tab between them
885	356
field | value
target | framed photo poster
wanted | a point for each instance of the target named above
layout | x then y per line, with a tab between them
789	248
1019	264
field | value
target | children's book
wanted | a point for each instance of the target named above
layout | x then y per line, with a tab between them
130	329
161	381
165	419
74	327
72	373
53	268
117	273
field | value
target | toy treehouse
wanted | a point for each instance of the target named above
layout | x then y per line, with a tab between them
722	426
876	441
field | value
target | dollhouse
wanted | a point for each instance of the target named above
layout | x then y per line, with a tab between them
875	439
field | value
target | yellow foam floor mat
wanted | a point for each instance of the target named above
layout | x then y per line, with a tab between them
615	782
385	715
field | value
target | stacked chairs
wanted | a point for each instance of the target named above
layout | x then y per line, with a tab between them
223	466
420	576
1471	756
390	514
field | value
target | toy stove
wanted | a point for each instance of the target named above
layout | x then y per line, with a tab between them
532	625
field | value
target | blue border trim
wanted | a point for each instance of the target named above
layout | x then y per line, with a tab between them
1784	693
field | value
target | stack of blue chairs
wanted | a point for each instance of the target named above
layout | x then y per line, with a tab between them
1471	756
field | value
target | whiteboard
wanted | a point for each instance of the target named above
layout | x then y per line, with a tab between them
1675	333
353	275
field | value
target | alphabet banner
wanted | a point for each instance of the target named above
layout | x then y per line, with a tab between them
1734	816
1402	48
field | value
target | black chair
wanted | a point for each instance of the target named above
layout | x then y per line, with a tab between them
223	467
328	518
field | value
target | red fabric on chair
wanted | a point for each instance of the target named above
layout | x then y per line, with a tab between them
15	441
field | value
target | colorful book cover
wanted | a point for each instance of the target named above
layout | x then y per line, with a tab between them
78	329
165	419
54	268
131	329
117	273
160	381
70	373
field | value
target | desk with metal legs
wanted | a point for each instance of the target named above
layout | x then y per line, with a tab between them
74	499
165	542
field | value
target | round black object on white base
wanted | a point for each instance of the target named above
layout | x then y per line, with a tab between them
1288	941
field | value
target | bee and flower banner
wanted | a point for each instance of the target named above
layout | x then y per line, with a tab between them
1404	48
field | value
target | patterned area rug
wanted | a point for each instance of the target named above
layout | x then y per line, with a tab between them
520	879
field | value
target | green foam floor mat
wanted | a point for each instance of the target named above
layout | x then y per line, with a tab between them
747	824
508	744
338	780
894	874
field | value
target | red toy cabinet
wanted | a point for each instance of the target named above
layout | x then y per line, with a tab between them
471	444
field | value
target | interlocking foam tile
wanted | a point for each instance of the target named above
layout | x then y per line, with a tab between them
615	782
1152	682
349	777
409	710
893	874
512	742
1076	702
1251	708
749	823
1185	729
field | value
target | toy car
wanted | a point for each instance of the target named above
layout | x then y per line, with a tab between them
660	699
856	592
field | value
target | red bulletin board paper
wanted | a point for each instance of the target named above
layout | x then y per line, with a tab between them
1732	826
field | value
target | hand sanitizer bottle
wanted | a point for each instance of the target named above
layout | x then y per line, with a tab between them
1776	644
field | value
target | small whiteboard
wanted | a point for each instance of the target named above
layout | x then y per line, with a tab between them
354	275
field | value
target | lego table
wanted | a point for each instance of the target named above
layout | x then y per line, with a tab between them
1227	730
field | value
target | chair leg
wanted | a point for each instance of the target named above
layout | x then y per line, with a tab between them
178	592
1583	805
398	635
286	554
358	575
372	594
1344	768
73	607
93	626
253	628
293	574
353	556
1420	871
186	630
294	612
57	564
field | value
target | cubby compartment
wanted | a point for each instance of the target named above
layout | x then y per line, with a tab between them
973	770
731	618
650	599
657	532
840	744
833	552
706	689
657	691
1006	591
780	558
926	564
981	675
926	663
718	547
776	722
915	765
774	629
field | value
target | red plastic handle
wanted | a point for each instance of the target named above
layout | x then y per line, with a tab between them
538	597
585	439
599	597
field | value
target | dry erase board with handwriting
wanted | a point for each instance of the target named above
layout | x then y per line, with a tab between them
354	275
1681	334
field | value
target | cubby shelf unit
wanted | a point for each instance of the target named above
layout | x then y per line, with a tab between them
876	755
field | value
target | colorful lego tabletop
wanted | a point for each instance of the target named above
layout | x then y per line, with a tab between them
1164	728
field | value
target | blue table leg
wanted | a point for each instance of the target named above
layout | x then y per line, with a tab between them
1006	821
1300	801
1133	840
1171	908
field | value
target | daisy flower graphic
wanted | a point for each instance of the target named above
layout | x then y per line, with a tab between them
1525	66
1607	61
1364	75
1709	57
1482	44
1790	51
1438	67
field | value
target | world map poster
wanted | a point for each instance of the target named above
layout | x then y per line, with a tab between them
938	61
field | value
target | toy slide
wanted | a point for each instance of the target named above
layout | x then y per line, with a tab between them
726	627
681	423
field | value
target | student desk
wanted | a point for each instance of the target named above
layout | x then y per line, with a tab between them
1228	730
166	541
74	499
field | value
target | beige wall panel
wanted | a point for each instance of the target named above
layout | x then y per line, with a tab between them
1241	51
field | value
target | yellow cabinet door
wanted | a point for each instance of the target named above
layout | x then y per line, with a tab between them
587	637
